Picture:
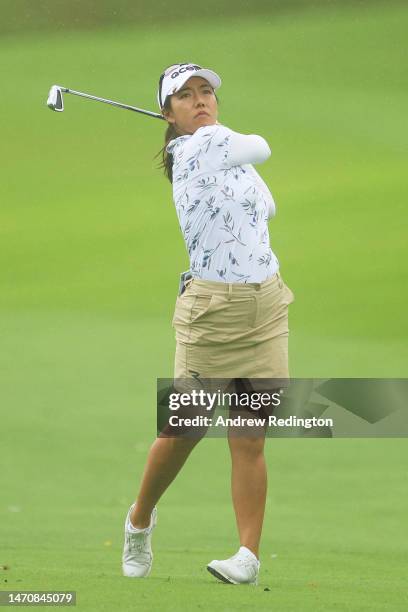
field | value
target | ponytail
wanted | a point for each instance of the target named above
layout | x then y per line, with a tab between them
167	158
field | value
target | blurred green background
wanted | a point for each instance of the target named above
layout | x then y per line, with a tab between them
90	257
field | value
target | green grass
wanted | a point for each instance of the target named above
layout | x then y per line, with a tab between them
87	300
79	421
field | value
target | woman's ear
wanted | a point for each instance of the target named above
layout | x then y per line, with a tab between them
168	116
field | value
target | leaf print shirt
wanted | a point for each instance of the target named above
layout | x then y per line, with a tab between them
223	205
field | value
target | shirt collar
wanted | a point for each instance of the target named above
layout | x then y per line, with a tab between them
173	143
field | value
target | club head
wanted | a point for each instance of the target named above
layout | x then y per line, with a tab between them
55	101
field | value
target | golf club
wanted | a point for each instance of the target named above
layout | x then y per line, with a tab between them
55	101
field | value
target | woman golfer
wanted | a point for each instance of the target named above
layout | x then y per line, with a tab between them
231	317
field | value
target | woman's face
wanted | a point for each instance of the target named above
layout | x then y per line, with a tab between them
193	106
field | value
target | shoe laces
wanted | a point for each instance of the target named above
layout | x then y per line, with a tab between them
244	560
137	541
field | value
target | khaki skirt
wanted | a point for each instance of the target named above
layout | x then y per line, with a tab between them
232	330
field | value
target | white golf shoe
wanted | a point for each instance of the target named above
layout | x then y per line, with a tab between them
137	555
242	568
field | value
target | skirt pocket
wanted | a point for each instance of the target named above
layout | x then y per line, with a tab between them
190	308
200	306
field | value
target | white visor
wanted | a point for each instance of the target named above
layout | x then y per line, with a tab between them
175	76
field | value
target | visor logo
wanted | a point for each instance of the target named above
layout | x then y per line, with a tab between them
182	69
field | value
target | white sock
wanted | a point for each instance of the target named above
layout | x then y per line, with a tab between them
246	551
133	529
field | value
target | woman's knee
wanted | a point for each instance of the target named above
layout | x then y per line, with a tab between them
250	446
180	444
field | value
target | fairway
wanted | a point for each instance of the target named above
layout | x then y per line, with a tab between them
91	253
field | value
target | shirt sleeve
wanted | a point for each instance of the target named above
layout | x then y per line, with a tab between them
224	148
247	149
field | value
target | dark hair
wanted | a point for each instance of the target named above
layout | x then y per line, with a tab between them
171	133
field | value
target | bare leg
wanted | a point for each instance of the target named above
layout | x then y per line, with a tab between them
248	486
165	459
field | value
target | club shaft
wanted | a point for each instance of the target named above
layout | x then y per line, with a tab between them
112	102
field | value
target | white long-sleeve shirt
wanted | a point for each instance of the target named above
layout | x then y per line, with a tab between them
223	205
